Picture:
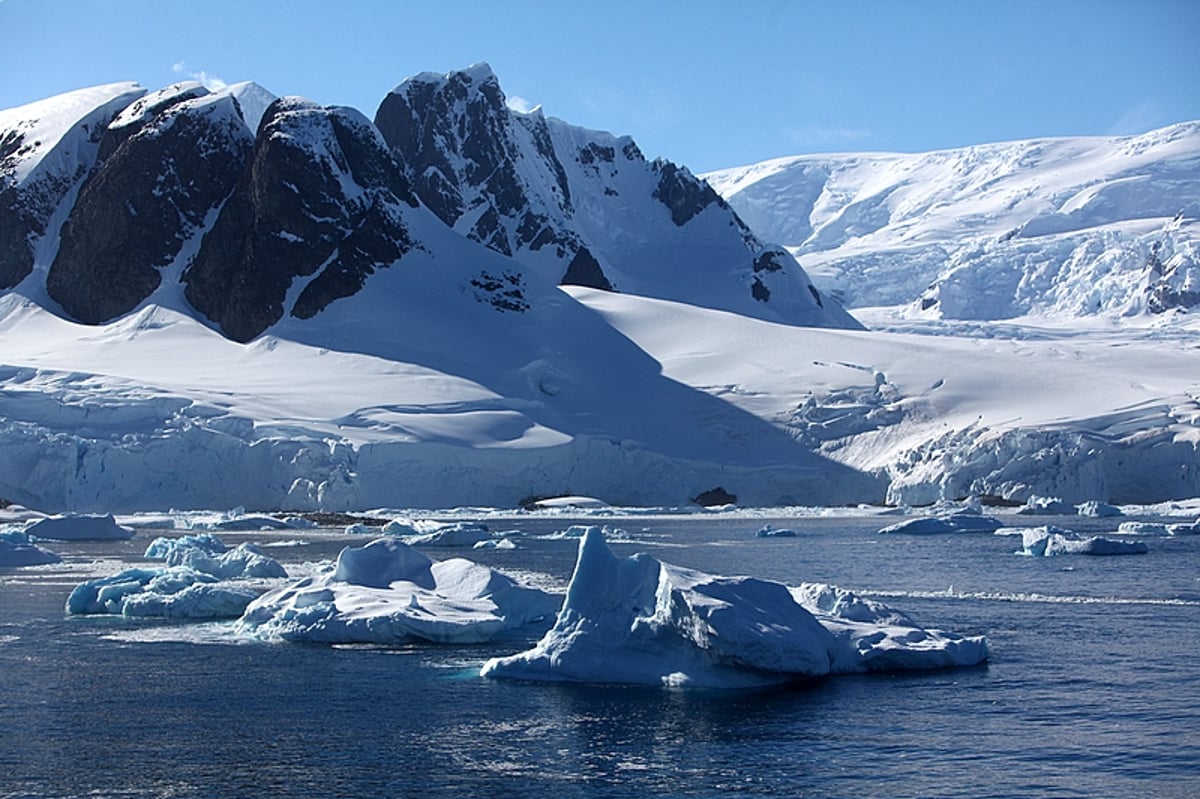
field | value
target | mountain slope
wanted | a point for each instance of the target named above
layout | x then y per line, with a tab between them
1066	227
585	207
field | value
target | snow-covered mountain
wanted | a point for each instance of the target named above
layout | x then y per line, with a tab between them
585	207
261	209
213	299
1059	227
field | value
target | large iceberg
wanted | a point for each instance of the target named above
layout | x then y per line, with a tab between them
386	592
17	550
640	621
176	592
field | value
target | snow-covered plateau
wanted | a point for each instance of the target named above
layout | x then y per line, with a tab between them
220	299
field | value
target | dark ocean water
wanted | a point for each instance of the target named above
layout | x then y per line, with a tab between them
1093	688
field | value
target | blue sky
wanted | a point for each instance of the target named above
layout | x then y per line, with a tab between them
705	83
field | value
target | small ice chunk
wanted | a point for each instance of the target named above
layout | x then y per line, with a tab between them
767	531
1099	510
162	546
1046	506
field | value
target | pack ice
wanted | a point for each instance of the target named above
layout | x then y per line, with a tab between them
640	621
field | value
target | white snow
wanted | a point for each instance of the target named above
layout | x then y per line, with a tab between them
639	621
1065	227
386	592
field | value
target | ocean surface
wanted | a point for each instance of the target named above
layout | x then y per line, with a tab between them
1092	689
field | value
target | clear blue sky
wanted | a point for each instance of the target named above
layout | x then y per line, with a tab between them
707	84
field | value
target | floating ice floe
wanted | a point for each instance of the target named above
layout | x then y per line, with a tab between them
176	592
207	554
962	522
767	531
496	543
17	550
78	527
387	592
1159	528
639	621
1048	541
462	534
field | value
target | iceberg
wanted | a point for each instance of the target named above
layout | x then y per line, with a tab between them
1099	510
78	527
640	621
1184	528
386	592
17	550
961	522
176	592
767	531
163	546
462	534
1047	542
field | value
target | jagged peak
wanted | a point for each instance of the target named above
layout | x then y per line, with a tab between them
476	74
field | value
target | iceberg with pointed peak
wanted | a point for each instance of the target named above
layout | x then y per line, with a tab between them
639	621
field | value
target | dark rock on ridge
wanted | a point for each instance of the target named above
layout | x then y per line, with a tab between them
159	177
290	216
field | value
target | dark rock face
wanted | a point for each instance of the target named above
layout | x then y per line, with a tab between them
289	216
458	142
26	207
684	194
585	271
157	181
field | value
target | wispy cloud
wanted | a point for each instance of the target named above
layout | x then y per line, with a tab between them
210	82
1139	119
816	135
520	104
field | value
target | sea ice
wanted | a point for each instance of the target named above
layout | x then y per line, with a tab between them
1184	528
962	522
1047	542
386	592
177	592
17	550
78	527
640	621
